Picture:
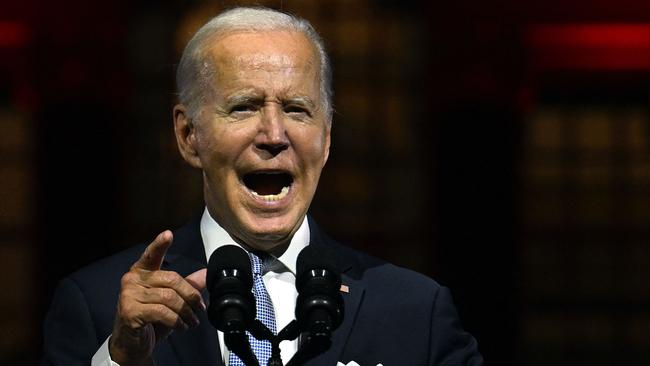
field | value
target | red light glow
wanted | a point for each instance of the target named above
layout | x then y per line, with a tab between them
13	34
590	46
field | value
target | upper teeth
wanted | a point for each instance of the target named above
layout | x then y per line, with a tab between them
273	197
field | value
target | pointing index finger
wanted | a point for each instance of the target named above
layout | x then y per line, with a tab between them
154	254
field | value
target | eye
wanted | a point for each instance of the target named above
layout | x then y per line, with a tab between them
243	108
297	110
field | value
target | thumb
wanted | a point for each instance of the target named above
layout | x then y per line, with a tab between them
197	279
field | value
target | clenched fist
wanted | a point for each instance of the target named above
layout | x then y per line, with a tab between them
152	304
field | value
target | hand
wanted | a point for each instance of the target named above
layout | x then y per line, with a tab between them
152	304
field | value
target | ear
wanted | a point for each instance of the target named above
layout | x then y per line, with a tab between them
328	129
186	136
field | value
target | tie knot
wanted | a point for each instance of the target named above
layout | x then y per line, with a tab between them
256	264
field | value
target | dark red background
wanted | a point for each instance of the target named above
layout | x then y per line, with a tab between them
438	191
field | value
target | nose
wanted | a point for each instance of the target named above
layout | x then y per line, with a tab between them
272	134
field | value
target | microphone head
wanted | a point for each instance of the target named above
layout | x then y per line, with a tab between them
229	258
229	281
319	307
315	257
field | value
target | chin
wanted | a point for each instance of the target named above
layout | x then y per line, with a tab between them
268	233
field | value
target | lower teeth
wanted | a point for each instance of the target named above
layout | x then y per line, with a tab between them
273	197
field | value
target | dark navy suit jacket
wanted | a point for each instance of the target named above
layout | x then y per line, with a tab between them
393	316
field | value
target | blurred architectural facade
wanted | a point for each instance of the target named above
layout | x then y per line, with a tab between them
501	147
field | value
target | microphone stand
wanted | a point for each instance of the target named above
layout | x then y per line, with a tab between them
237	341
260	331
317	341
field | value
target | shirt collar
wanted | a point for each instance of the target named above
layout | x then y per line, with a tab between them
215	236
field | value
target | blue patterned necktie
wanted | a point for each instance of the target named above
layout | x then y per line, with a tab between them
265	314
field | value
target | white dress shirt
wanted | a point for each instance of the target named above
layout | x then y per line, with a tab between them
279	279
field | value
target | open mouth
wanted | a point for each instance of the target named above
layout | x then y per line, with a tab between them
270	186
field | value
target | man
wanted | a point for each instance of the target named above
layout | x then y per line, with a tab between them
255	117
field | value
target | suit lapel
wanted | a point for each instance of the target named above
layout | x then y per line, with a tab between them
200	345
352	299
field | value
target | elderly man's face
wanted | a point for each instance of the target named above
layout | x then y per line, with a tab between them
261	137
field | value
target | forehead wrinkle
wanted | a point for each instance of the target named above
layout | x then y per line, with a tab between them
236	70
266	61
292	59
282	92
232	63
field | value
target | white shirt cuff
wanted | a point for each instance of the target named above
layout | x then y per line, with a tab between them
103	357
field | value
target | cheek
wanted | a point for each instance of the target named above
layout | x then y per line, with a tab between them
314	149
208	150
220	147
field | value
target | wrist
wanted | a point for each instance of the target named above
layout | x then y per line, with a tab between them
125	357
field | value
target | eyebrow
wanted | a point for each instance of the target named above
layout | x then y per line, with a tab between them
244	98
253	98
300	100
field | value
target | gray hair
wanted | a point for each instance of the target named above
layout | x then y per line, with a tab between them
194	72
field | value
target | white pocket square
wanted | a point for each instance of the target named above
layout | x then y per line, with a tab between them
351	363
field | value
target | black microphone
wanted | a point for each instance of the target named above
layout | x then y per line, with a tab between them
232	304
319	307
